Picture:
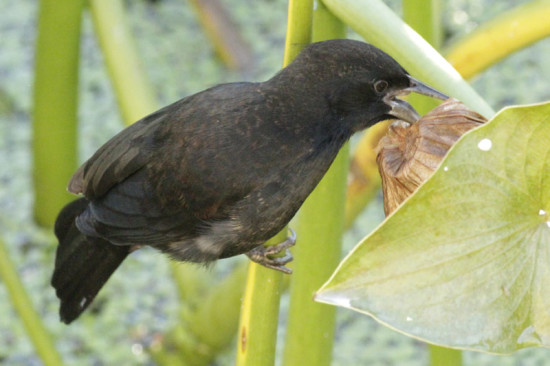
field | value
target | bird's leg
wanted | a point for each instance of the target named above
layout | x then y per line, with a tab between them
262	254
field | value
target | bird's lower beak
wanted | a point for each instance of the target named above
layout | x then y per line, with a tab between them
404	111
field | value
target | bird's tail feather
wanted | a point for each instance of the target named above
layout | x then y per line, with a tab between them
82	264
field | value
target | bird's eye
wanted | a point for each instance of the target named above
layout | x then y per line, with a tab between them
380	86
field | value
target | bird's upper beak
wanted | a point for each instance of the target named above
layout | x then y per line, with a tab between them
401	109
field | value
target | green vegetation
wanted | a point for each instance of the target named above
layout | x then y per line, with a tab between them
206	321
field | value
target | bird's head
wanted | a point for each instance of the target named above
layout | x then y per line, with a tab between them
360	83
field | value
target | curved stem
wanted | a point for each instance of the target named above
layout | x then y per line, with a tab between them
23	305
134	94
505	34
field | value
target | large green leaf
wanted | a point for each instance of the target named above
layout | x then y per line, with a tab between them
465	262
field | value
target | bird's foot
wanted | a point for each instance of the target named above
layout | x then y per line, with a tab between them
262	254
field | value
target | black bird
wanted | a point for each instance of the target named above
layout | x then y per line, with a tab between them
218	173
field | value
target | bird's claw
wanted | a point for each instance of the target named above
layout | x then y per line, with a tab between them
261	254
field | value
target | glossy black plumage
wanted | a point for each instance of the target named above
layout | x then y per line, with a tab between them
219	172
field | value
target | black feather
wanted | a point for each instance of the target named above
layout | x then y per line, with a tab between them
82	264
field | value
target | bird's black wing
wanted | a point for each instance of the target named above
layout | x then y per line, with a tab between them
162	179
117	159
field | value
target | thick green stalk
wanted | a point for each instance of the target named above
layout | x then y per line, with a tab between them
310	329
134	94
257	333
505	34
374	21
55	105
424	17
54	144
441	356
298	28
38	334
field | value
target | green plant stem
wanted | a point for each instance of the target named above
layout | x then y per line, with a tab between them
424	16
505	34
36	330
374	21
298	28
55	105
441	356
54	144
257	334
133	92
310	329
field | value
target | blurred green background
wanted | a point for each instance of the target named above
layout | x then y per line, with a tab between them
179	60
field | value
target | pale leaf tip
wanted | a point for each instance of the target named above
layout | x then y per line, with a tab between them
332	298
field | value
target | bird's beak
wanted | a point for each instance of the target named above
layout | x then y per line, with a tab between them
421	88
404	111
